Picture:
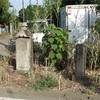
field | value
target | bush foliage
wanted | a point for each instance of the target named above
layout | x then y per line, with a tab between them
55	43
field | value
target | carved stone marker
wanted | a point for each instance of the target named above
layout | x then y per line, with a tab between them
23	50
80	63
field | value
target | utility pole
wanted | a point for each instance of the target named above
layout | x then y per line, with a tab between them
23	9
37	10
36	2
29	2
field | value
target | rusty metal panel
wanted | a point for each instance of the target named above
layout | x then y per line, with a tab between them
23	54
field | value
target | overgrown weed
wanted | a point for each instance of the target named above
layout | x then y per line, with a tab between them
43	83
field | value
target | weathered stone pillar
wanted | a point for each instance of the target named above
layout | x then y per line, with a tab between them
80	63
23	50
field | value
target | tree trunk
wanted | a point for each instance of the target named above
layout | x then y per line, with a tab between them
7	28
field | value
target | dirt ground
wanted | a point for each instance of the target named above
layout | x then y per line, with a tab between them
16	92
12	80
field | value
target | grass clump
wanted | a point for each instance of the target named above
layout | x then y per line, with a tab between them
91	90
43	83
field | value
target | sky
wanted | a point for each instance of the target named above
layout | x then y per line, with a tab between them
18	3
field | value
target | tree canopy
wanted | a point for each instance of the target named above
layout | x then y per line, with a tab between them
71	2
4	6
50	9
31	13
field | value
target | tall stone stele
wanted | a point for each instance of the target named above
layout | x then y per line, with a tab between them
80	63
24	49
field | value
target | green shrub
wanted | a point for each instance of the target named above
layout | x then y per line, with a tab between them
55	43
